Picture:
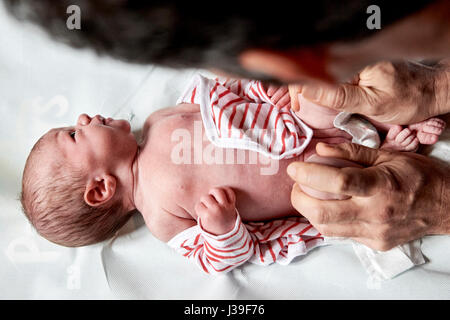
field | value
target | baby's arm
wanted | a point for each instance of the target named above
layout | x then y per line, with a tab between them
261	243
223	242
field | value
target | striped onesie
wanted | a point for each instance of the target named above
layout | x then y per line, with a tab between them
239	114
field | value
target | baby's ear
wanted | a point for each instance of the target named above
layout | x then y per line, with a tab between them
100	190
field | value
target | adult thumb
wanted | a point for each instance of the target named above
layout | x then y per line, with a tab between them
341	97
350	151
294	90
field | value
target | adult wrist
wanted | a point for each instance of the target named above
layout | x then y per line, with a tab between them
442	87
442	225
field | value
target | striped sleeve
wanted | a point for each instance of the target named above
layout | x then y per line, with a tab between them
215	254
250	90
263	243
282	240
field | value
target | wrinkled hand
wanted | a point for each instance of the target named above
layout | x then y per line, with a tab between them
279	96
397	93
217	210
399	196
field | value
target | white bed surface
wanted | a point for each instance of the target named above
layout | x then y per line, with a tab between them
44	85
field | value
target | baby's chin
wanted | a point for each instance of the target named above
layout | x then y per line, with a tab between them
120	124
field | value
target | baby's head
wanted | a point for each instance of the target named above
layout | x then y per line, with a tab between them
77	186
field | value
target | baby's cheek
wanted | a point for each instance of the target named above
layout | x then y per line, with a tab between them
339	163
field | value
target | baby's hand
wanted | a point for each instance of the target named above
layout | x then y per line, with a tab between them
279	96
217	210
399	139
428	131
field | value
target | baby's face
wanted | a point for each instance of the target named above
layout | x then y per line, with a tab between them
93	143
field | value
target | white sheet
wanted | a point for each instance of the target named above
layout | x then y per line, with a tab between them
44	84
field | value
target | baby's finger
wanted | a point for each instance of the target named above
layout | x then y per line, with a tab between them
199	208
208	201
230	195
278	95
219	195
271	90
283	101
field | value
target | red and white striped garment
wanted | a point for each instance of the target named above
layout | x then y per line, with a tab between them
239	114
260	243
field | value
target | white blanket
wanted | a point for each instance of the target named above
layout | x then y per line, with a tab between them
45	84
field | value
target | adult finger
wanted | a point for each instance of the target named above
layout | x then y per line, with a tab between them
347	230
352	152
351	181
342	97
324	211
294	90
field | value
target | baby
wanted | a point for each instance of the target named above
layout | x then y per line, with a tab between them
82	183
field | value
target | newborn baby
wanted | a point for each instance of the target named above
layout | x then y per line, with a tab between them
82	183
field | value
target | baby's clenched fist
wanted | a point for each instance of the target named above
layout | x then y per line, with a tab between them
217	210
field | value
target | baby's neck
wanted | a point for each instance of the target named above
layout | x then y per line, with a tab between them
135	190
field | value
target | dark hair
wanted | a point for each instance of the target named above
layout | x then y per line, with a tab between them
205	35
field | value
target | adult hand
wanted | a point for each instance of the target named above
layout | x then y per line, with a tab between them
397	93
399	196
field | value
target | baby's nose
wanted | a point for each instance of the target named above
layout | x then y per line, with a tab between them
99	118
84	119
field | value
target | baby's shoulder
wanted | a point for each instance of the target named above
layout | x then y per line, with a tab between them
170	112
164	224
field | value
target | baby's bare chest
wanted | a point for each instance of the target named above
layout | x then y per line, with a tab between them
186	165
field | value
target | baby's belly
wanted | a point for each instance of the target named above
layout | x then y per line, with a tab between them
262	190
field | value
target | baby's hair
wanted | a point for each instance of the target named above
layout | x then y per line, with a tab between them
52	199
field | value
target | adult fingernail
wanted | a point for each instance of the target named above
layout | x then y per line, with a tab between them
312	93
291	170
